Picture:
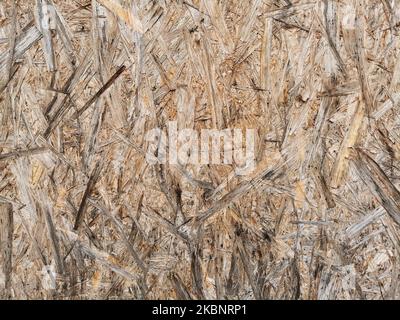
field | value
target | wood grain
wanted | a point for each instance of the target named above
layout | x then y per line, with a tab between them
85	215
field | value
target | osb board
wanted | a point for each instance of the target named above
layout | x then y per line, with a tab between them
85	216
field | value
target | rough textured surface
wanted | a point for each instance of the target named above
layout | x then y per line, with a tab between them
84	215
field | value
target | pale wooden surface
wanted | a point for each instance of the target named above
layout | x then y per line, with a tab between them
82	81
